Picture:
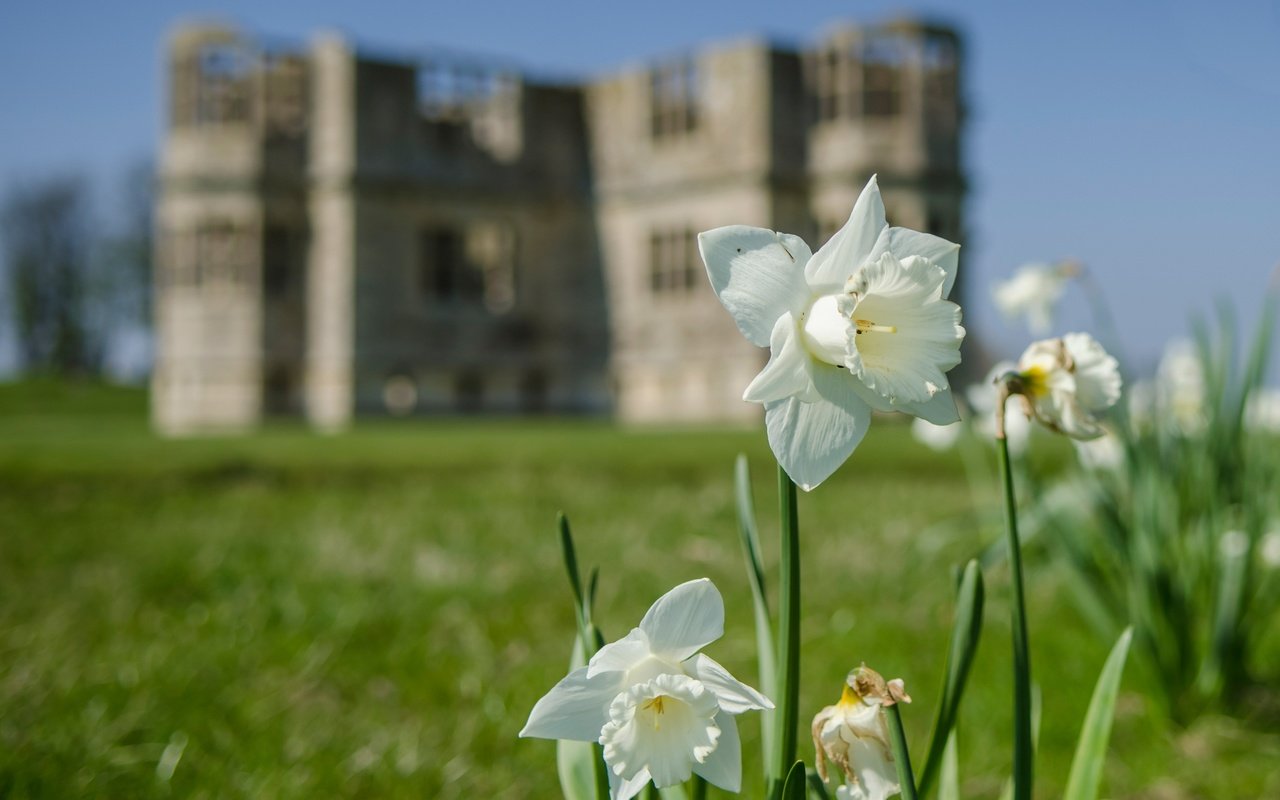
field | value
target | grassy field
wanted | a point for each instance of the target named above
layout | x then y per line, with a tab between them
374	614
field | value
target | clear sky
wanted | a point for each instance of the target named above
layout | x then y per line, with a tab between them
1140	137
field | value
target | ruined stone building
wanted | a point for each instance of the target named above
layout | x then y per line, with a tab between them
342	233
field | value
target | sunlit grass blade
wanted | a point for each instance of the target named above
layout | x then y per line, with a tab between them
1225	634
787	698
576	759
964	643
766	652
901	755
949	777
794	787
1091	750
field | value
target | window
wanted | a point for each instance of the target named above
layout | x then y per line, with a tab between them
212	85
882	62
832	84
674	264
472	266
279	261
674	99
285	105
223	255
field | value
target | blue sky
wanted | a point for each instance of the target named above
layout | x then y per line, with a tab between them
1140	137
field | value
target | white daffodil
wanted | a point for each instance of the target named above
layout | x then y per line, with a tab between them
853	735
1067	383
662	710
1033	291
861	325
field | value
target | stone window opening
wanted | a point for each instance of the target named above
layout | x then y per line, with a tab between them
212	86
883	61
224	256
674	99
675	267
472	266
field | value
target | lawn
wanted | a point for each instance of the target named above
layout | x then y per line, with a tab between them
374	613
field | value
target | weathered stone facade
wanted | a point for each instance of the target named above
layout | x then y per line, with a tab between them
341	234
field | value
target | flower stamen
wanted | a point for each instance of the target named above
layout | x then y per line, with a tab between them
867	326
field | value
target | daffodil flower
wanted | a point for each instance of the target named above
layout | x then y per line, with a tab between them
853	735
861	325
1033	291
662	710
1067	383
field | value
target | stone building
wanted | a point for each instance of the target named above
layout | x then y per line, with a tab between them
341	233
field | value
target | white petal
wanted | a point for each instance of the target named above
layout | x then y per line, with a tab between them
576	708
903	242
724	766
665	726
850	247
620	789
939	409
684	620
1097	373
757	274
812	439
873	766
735	696
909	365
787	373
621	655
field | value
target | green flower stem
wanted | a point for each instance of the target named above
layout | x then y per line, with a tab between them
699	789
901	757
788	703
1023	751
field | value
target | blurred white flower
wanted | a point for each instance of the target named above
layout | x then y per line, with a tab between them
662	710
982	398
853	735
861	325
1033	291
1262	411
1233	544
1104	452
1269	549
935	437
1068	383
1180	387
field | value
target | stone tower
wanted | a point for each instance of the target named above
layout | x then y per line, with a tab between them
344	233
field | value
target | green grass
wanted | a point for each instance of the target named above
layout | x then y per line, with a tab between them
374	614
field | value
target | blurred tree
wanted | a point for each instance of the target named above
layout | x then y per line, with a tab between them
126	251
47	236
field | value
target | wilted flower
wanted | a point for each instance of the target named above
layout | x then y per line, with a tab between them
661	709
861	325
1033	291
853	735
1067	383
